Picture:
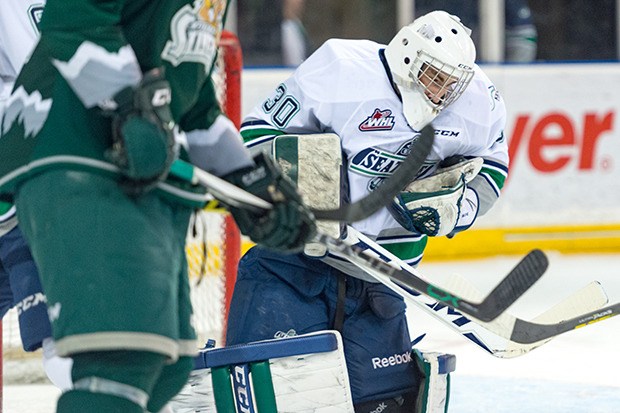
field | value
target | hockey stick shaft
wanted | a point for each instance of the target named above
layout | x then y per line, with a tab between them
494	336
530	332
512	287
356	211
485	338
509	290
218	187
515	284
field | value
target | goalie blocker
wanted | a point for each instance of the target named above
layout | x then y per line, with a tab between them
305	373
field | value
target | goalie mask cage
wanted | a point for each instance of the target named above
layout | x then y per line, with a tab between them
214	235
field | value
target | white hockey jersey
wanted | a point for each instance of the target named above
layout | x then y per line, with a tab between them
18	35
345	88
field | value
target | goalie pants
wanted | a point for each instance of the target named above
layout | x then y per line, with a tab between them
20	287
277	294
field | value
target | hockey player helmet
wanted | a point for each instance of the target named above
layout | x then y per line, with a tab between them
432	62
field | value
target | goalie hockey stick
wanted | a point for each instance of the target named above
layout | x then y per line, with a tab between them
356	211
523	276
489	336
510	288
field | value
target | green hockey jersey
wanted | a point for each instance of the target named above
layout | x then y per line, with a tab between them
88	51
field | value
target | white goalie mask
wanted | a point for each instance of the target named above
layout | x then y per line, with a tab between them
432	62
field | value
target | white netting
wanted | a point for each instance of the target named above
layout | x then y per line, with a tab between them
205	257
218	76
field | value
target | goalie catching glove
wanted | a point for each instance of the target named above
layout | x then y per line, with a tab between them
289	224
143	144
440	204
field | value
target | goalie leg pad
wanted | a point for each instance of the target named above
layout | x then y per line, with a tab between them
434	390
307	373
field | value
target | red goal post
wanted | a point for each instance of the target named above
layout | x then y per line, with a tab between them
212	280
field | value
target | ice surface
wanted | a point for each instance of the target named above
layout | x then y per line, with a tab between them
576	372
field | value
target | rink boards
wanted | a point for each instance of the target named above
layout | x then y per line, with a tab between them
563	192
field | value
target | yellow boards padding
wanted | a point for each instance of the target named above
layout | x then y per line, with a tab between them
477	243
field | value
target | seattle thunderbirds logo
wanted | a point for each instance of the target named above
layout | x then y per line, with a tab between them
379	120
378	164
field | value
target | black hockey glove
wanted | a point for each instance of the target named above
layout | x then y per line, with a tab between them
289	225
142	131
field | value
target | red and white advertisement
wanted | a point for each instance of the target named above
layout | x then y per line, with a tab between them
564	142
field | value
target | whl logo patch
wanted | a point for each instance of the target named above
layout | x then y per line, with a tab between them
379	120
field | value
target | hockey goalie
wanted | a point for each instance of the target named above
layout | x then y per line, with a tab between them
308	373
362	105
